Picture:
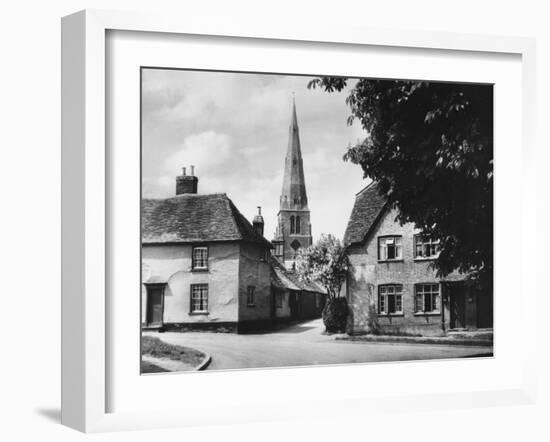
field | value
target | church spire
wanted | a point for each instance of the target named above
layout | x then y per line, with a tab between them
293	195
293	227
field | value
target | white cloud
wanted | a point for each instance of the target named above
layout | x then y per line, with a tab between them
205	150
234	129
209	152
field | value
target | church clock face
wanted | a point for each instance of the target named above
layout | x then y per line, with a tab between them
295	244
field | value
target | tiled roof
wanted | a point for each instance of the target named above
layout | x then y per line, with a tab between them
286	279
368	207
280	279
191	218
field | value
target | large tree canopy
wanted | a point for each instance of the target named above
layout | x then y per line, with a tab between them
430	148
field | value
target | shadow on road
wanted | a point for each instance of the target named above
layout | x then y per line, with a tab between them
293	327
292	330
480	355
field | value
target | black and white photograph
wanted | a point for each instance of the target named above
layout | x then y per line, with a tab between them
298	221
292	220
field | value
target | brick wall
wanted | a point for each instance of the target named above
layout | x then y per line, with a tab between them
186	184
367	274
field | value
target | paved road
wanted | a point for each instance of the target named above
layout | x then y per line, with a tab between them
304	344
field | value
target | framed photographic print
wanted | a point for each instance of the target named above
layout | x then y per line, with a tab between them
250	213
216	291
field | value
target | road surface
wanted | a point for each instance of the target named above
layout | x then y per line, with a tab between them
305	344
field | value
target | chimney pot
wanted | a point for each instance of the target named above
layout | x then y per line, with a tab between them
192	170
258	222
186	183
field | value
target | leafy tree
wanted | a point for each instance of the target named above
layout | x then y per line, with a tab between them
326	263
430	148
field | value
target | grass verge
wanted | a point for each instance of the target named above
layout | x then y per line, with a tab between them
156	348
147	367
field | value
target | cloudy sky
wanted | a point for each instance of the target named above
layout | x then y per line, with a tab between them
233	128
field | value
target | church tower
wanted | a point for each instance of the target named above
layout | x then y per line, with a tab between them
293	227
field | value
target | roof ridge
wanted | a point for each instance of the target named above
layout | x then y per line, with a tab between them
185	195
198	195
367	187
369	206
239	218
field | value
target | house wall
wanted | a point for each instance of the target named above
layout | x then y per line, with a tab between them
173	264
367	274
254	271
284	311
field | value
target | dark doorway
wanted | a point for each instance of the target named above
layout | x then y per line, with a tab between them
485	309
155	305
294	304
457	298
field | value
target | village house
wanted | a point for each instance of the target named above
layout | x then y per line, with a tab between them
391	287
204	266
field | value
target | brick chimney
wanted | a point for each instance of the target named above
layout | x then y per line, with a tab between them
186	183
258	222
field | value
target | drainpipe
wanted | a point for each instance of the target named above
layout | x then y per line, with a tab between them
443	297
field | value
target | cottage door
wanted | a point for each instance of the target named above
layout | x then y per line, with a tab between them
458	306
155	300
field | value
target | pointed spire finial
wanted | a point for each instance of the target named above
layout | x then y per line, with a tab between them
294	118
294	187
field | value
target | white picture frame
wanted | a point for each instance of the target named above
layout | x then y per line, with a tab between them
85	202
